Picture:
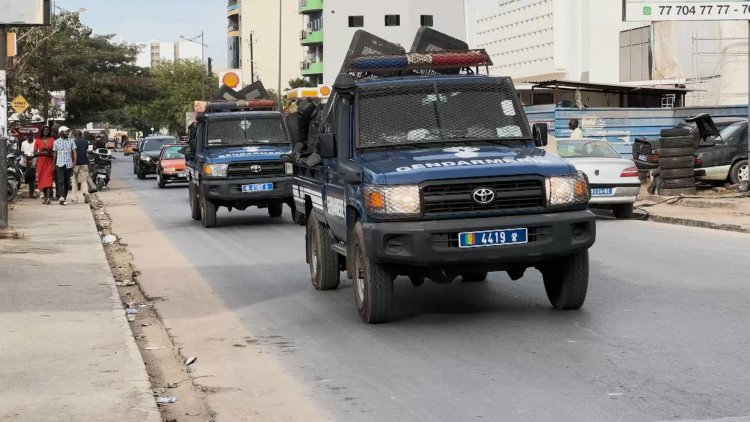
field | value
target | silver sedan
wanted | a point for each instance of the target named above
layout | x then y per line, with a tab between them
614	180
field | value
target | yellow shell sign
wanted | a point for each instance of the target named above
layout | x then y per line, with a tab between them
230	79
19	104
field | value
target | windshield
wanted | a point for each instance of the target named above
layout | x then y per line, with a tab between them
585	149
440	112
172	153
246	132
156	143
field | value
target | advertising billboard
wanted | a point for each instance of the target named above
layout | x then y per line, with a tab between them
25	12
685	10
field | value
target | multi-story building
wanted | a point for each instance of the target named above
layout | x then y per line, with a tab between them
253	37
330	24
151	53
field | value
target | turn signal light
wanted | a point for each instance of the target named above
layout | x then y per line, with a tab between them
376	200
582	187
630	172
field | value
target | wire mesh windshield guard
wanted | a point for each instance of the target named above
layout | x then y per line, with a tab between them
419	61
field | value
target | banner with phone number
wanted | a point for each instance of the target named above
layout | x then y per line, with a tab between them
686	10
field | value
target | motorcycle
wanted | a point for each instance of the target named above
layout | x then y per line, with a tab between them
14	171
101	168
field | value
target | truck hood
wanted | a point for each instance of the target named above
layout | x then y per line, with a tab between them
416	166
218	155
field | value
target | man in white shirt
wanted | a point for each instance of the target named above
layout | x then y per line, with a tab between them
28	162
576	132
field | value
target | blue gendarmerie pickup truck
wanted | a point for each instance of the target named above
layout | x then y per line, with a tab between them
233	158
419	166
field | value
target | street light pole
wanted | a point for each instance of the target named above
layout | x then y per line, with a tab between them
278	92
203	70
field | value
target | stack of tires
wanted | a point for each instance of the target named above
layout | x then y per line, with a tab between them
676	162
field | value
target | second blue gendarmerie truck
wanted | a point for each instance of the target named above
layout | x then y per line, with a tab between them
420	167
233	158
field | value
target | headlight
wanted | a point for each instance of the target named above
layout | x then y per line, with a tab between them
567	190
382	201
215	170
288	169
145	157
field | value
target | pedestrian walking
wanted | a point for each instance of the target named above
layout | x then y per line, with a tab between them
28	162
65	157
45	164
81	168
576	133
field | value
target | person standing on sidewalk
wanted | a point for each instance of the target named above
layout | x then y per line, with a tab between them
28	161
81	169
65	156
45	164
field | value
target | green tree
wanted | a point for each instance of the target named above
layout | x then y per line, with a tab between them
298	83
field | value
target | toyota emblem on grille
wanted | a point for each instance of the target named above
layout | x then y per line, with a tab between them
256	168
483	196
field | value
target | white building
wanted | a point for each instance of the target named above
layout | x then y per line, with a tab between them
153	52
256	22
330	24
549	39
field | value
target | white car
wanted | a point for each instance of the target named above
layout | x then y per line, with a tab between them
613	180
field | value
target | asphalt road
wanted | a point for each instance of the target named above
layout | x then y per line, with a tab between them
663	334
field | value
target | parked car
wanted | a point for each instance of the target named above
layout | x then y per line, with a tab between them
644	148
171	166
722	154
613	180
148	154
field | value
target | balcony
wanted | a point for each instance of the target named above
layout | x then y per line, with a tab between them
310	6
311	37
310	68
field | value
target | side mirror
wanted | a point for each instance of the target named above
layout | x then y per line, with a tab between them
327	145
350	172
539	131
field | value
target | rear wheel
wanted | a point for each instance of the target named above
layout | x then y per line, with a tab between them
623	211
208	213
474	277
373	286
739	172
324	262
566	280
275	210
195	207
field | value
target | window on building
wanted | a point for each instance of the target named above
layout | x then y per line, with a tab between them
392	20
356	21
425	20
635	54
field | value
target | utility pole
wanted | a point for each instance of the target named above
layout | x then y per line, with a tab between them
278	92
45	77
3	131
252	60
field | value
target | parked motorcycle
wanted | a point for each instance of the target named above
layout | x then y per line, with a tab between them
101	167
13	168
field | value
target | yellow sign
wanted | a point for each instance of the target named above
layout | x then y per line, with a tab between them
19	104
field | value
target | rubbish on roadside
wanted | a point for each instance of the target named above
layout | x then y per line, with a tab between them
131	311
153	347
166	400
109	239
131	317
190	360
145	325
173	385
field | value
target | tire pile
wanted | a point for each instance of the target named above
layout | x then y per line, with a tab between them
676	163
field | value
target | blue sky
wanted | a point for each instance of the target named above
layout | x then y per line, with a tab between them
158	20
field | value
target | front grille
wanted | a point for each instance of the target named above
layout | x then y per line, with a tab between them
511	194
450	240
246	169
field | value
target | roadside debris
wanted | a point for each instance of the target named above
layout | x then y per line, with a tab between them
131	317
166	400
190	360
109	239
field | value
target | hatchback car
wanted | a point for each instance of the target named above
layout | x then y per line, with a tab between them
171	166
613	180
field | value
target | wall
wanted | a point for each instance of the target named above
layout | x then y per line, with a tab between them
448	17
262	18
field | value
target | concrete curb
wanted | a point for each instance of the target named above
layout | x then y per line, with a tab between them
698	223
695	202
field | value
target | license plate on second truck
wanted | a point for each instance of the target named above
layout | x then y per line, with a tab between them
257	187
492	238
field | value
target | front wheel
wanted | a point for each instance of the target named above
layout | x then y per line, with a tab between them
195	207
141	175
160	181
739	172
275	210
324	262
566	280
208	213
99	183
373	286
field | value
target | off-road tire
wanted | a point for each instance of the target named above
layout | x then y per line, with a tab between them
566	280
195	206
677	162
739	172
674	132
676	142
674	152
677	173
160	181
208	213
623	211
275	210
474	277
677	192
324	262
687	182
373	286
